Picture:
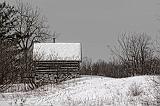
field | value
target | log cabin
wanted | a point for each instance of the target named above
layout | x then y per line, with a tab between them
56	62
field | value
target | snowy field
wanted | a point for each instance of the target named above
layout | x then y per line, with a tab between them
89	91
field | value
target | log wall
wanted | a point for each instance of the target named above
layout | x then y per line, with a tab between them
55	71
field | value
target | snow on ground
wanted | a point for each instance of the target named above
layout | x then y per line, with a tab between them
88	91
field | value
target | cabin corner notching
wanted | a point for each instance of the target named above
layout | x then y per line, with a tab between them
55	62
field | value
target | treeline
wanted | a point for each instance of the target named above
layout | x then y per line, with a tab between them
134	54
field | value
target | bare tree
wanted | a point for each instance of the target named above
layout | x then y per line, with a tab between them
31	27
135	53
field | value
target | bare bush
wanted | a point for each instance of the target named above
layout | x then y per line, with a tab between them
135	90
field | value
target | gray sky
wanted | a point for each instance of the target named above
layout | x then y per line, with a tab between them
97	23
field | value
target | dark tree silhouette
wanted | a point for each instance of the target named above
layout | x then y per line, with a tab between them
8	49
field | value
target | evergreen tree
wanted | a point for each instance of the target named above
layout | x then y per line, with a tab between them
8	48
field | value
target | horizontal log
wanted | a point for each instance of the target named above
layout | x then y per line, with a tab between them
55	68
57	60
54	71
57	65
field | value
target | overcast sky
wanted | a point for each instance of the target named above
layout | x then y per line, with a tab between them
97	23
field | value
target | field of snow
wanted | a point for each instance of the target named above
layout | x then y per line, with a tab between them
89	91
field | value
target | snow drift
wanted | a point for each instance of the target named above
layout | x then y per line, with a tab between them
89	91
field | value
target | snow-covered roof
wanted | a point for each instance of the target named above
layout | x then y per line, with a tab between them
57	51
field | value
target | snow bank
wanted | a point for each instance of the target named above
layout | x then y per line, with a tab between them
91	91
